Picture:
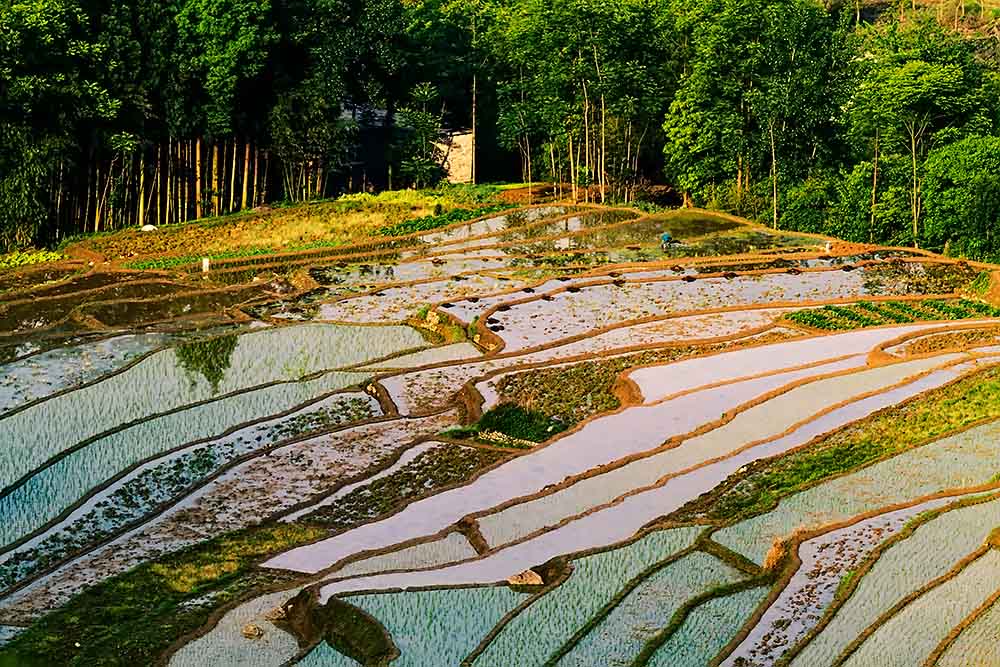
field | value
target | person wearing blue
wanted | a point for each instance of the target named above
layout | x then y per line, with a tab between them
665	240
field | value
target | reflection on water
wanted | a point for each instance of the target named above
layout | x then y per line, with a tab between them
211	358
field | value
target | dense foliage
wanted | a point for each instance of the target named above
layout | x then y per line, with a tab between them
869	121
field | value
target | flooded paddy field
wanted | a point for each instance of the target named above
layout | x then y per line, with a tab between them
534	438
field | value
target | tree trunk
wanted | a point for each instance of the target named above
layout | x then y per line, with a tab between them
774	175
739	180
97	196
142	189
246	174
871	226
914	197
604	149
232	180
170	180
263	182
475	91
154	189
572	168
180	173
528	144
86	200
586	140
197	179
256	176
182	184
104	195
156	181
215	180
552	164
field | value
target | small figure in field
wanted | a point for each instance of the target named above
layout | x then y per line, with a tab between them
665	240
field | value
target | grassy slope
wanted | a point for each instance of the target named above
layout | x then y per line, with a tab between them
295	227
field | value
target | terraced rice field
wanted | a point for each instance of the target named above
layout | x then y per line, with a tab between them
535	438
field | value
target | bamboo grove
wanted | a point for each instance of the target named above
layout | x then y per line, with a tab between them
869	121
173	182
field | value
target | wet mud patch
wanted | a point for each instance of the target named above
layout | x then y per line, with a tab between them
433	470
91	281
22	280
137	312
739	242
34	314
899	277
28	316
345	628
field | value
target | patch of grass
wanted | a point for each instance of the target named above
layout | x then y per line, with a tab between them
27	257
981	284
844	585
430	222
303	226
519	423
758	489
469	193
504	187
132	618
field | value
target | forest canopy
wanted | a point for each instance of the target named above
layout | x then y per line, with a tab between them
874	122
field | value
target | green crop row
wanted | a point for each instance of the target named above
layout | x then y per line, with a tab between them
162	263
27	257
873	314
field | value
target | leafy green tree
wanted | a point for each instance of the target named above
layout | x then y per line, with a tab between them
223	44
419	145
584	88
50	91
962	195
919	85
757	94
